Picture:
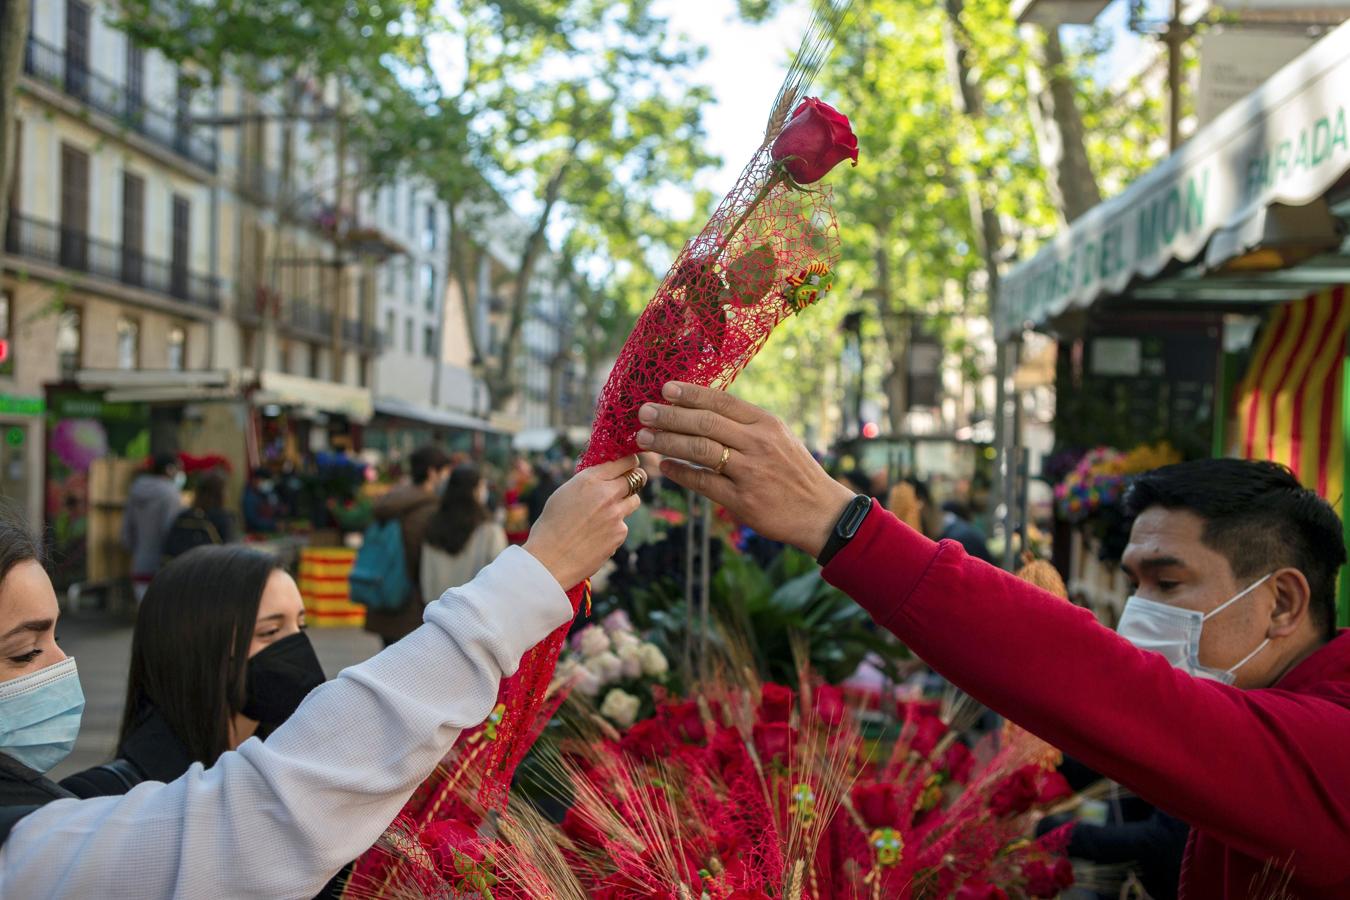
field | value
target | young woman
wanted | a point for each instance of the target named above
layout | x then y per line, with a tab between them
219	654
277	818
461	537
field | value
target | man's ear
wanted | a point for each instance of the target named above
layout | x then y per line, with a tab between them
1293	599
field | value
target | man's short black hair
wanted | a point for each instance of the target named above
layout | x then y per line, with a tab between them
162	462
426	460
1259	517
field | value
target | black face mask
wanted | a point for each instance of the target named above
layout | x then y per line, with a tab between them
278	677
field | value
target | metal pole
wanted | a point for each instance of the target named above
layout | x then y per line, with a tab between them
1012	440
705	583
690	500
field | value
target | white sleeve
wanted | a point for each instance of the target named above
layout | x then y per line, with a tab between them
278	819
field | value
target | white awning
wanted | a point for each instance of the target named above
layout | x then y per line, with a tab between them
446	418
314	395
1285	144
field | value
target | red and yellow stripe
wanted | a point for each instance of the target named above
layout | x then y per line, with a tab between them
1289	403
323	585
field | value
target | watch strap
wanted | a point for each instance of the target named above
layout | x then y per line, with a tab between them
845	527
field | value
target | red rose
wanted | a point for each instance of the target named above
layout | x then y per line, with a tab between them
957	762
453	845
747	894
772	740
816	139
1046	879
685	721
1017	793
927	732
981	890
647	739
775	703
830	705
1054	788
878	804
581	829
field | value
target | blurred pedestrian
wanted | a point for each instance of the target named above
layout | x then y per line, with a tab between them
461	537
261	502
154	501
203	523
413	505
956	526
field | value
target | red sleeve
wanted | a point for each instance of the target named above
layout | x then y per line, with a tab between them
1264	771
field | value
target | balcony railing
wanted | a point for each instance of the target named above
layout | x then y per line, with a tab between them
73	249
309	319
53	66
362	336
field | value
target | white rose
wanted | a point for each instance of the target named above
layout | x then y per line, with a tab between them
631	657
592	641
586	682
624	639
653	660
620	707
606	666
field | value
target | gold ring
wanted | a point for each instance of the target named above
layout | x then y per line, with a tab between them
722	463
636	479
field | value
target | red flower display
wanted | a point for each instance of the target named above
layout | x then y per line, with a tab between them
829	704
685	720
957	762
1054	788
1017	793
647	739
776	703
1046	878
817	138
980	891
878	804
773	740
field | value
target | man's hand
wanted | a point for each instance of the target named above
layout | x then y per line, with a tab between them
769	481
582	523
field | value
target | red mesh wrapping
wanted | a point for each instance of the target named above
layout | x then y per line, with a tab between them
768	252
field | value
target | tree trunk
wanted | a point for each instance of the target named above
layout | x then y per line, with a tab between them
502	386
13	36
1059	127
893	328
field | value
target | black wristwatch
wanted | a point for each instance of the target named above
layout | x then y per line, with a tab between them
845	527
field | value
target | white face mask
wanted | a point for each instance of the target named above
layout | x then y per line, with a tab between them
1175	633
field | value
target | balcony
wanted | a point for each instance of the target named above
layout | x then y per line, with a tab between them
75	250
52	66
308	320
363	337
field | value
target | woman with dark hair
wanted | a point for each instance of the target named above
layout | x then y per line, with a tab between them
219	654
461	537
278	818
205	522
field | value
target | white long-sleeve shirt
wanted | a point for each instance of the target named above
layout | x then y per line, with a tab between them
278	819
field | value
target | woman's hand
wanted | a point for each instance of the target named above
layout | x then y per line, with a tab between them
768	480
582	523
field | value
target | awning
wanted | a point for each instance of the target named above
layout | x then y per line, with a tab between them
445	418
159	385
314	395
1216	198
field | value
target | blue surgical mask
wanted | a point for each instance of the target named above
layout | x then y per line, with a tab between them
40	715
1175	633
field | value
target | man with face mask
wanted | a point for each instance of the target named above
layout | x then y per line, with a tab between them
1225	699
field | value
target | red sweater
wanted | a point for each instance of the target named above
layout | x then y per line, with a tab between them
1260	775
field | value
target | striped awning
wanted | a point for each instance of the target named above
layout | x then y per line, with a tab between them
1290	402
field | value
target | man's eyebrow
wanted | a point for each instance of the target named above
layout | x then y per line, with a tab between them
35	625
1153	563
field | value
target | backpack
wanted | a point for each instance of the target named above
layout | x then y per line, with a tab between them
379	577
191	529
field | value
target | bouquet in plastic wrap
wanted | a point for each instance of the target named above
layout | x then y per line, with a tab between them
767	253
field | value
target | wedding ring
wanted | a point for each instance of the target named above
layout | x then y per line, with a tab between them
636	479
722	463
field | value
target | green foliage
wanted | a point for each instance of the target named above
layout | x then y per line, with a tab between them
767	608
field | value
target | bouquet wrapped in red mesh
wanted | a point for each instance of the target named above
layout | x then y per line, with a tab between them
767	253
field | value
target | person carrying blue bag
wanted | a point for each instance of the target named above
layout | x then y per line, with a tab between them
385	575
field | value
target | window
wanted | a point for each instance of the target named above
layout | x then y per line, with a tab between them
177	348
389	277
69	340
391	206
428	286
6	333
77	48
128	343
15	177
74	247
180	242
313	360
183	113
390	328
429	231
133	228
412	211
408	335
429	340
135	79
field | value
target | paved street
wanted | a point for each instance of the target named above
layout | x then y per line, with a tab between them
102	647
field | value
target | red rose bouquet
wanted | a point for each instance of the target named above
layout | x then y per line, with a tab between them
768	252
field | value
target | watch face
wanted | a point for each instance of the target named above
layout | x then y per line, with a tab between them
853	516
